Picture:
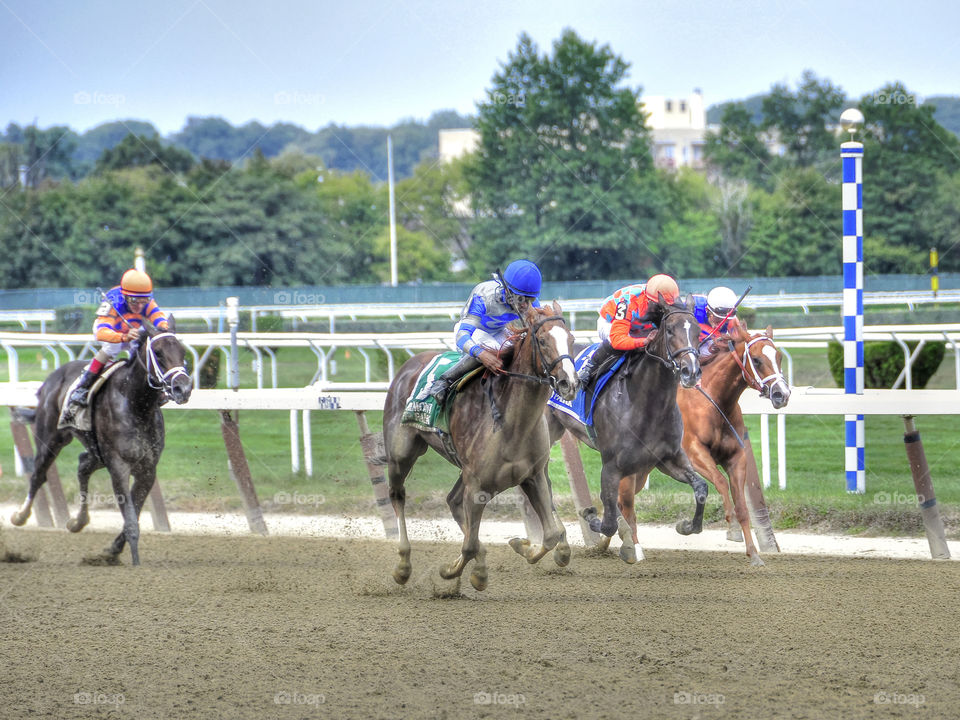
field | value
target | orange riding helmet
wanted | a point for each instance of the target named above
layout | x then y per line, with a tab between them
136	283
663	285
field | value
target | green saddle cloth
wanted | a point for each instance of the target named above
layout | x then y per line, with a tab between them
429	414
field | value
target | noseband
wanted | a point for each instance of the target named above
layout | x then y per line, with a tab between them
753	378
157	377
671	360
544	377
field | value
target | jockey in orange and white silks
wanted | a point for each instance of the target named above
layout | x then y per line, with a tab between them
628	319
125	309
482	329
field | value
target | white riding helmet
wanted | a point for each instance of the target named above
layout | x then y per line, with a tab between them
721	300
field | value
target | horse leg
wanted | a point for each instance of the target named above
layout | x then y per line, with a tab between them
630	485
537	490
120	474
702	460
760	515
478	578
472	511
46	453
678	467
737	471
87	464
609	490
406	447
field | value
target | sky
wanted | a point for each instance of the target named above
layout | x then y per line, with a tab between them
376	62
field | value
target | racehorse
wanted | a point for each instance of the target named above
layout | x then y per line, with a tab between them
749	361
127	430
637	424
499	441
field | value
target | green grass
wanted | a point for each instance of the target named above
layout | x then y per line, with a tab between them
194	474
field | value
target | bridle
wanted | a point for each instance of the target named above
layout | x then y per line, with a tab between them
544	377
753	378
157	377
671	360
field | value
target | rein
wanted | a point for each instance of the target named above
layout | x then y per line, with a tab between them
545	378
722	414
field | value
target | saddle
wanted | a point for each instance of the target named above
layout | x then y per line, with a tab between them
429	414
80	417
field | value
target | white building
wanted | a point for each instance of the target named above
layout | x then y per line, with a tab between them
678	128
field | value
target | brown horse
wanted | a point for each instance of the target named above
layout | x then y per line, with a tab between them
749	361
499	437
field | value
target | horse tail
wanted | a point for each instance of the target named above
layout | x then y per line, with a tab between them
24	415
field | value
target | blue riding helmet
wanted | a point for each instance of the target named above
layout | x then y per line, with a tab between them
523	277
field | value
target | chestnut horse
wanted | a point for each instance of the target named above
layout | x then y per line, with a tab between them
748	361
127	436
638	425
499	437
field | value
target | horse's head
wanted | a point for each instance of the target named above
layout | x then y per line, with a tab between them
163	355
552	347
676	340
762	365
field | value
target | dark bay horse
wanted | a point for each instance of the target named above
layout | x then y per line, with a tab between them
750	361
637	422
127	435
493	455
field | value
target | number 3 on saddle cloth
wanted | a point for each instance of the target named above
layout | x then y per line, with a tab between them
582	405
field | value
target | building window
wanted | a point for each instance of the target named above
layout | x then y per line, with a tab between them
669	105
683	106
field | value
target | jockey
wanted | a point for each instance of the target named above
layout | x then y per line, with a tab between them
628	319
482	329
124	310
717	314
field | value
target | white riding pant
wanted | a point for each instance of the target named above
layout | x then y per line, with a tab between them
491	341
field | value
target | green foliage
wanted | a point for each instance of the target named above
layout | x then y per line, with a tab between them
737	149
883	362
142	150
563	173
801	118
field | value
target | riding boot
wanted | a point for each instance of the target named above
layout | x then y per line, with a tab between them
440	386
81	393
602	354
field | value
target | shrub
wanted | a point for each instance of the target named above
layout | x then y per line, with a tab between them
883	363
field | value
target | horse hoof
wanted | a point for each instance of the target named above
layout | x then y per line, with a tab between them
628	554
479	581
757	561
74	525
19	518
520	545
734	534
603	543
684	527
401	575
561	555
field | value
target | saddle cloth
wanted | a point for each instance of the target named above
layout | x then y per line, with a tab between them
581	407
81	417
429	414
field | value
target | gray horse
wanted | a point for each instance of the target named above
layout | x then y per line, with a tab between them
127	436
638	426
500	440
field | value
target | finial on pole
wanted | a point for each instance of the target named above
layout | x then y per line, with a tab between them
138	261
852	121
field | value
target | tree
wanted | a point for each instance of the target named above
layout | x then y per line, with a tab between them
802	119
141	150
564	173
737	149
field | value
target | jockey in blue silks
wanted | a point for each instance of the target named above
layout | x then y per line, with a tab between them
482	329
717	314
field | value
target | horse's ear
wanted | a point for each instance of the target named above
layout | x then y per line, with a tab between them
171	324
690	303
770	331
556	308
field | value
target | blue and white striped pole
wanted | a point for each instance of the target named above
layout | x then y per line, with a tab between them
851	155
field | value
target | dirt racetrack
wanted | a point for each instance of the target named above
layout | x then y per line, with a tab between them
244	627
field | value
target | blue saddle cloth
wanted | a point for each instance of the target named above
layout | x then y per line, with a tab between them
582	405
